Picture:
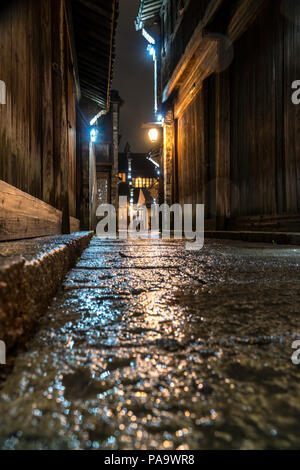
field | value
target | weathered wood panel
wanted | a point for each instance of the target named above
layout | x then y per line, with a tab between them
238	139
256	79
20	119
60	126
47	111
222	148
192	168
38	122
6	110
265	124
291	112
210	149
196	150
24	216
71	116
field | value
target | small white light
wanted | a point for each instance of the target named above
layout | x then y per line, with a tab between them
93	135
160	118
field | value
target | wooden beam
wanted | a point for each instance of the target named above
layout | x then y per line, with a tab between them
245	14
193	82
24	216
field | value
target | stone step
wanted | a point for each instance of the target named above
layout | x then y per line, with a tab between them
31	271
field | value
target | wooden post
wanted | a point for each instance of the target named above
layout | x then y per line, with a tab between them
60	133
222	149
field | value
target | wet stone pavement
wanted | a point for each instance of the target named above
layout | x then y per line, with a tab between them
150	346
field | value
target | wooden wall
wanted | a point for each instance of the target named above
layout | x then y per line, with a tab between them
38	122
238	147
191	152
196	151
265	125
21	119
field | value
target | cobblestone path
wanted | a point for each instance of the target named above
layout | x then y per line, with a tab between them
150	346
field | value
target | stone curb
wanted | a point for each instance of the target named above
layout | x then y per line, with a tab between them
28	286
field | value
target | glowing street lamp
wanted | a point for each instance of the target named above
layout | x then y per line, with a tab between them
94	132
153	135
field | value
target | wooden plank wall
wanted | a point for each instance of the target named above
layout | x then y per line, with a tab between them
21	118
238	147
189	156
265	125
291	113
196	151
71	116
47	103
37	147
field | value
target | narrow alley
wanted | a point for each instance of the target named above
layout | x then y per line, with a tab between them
150	346
149	228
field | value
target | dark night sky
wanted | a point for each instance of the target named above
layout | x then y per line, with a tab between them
133	77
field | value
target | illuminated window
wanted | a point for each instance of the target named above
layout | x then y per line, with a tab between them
140	183
122	177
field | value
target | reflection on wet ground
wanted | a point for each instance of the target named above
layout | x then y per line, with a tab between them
150	346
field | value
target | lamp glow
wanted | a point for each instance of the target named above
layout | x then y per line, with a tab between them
151	50
153	135
94	134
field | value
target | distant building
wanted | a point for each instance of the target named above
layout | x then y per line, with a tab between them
138	174
107	154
